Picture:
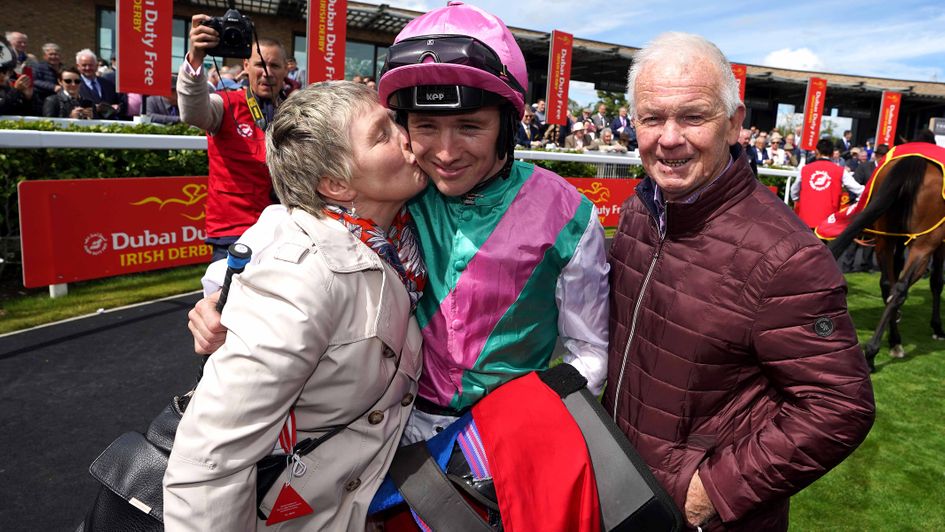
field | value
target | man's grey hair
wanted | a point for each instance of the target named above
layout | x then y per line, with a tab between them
606	130
310	138
85	52
685	47
51	46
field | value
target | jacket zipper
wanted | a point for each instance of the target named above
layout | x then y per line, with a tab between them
633	321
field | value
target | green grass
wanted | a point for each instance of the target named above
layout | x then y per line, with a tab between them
896	479
37	308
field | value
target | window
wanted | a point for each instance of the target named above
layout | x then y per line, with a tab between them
361	59
380	57
300	52
106	38
106	34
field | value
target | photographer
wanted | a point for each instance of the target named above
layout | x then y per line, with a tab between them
239	187
66	103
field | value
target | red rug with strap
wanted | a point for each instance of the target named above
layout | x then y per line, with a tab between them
831	228
543	475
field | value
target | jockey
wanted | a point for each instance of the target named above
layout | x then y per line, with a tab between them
516	253
517	261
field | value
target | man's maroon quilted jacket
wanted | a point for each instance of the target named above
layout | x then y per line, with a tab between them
732	350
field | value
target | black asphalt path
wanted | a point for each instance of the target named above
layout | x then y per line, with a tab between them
68	390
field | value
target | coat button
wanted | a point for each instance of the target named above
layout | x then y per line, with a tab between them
353	485
388	352
375	417
408	398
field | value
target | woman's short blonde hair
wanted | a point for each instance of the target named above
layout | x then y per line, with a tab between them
310	138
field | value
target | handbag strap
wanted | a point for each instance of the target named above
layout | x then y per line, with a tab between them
429	493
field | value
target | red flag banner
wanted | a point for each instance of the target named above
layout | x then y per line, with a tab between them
144	46
327	28
607	195
741	75
78	229
888	116
559	76
813	112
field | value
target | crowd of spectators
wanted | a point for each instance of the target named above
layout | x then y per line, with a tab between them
54	88
84	89
598	132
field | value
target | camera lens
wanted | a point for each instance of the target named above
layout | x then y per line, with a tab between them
232	37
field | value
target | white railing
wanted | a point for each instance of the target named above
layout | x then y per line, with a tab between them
611	165
65	122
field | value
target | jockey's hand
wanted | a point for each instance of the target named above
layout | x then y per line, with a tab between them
699	509
204	324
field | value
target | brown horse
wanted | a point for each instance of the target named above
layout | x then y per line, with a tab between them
906	210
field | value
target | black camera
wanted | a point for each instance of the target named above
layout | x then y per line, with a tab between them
236	35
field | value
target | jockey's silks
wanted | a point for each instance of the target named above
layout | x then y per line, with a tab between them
831	228
494	256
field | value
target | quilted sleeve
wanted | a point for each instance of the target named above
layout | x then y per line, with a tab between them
806	344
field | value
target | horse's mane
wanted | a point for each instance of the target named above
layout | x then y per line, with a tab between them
904	181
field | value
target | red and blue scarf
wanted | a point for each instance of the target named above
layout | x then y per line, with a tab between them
397	246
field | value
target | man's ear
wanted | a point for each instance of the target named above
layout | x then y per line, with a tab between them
336	190
735	124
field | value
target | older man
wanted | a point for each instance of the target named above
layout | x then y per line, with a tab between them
20	43
734	366
606	143
744	140
578	139
239	187
46	73
101	92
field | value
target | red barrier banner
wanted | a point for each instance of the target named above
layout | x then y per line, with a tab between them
741	75
813	112
327	29
78	229
144	46
607	195
559	76
888	116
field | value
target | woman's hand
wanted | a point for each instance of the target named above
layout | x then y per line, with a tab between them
25	86
204	324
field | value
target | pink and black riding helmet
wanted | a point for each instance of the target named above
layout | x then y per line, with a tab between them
454	59
452	55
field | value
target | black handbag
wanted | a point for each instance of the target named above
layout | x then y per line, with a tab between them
131	471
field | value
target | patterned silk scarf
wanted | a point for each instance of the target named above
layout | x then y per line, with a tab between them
397	246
